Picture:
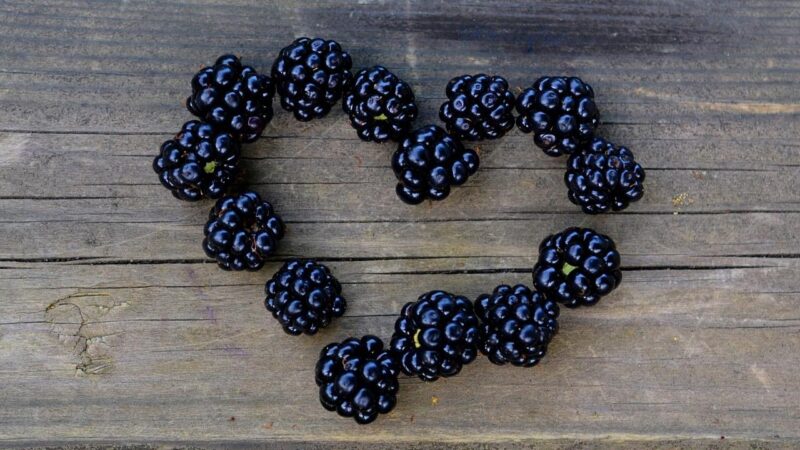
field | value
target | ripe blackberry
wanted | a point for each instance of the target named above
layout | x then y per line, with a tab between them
356	378
242	230
577	267
478	107
311	75
380	105
233	96
200	161
561	113
304	296
428	161
602	177
517	325
436	335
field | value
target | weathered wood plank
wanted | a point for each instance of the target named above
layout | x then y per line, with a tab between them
347	172
674	357
116	329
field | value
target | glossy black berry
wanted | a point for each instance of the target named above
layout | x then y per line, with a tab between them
428	162
380	105
233	96
311	76
304	296
602	177
577	267
561	113
436	335
199	162
357	379
478	107
242	230
517	324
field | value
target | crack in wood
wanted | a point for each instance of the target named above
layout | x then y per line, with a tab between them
75	320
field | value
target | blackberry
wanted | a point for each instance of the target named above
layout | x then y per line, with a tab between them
380	105
436	335
311	75
478	107
304	296
241	231
561	113
517	325
357	378
200	161
577	267
233	96
602	177
428	161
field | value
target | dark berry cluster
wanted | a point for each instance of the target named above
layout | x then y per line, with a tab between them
577	267
603	177
428	162
304	296
436	335
311	76
357	379
242	230
517	325
381	106
561	113
478	107
233	97
198	162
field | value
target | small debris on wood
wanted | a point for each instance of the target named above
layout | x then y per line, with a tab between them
682	199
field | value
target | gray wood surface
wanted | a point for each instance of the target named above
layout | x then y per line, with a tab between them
115	329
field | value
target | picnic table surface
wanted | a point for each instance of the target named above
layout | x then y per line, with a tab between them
116	329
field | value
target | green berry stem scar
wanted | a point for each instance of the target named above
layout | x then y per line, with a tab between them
567	268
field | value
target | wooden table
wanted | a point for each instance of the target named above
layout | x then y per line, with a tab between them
117	329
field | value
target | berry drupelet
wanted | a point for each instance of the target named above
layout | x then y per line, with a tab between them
517	325
304	296
428	161
311	75
561	113
357	378
577	267
381	106
436	335
233	96
200	161
242	230
478	107
602	177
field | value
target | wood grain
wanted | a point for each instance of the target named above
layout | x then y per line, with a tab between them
115	329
